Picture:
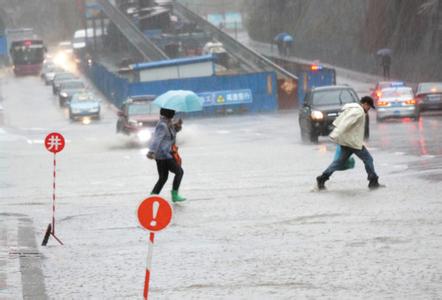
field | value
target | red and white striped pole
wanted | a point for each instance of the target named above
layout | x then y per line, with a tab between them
53	196
53	203
154	214
54	142
148	265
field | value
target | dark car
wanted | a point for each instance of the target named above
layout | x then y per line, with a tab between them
68	88
138	116
429	96
58	78
321	107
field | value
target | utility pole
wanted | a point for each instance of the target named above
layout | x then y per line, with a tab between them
439	24
269	7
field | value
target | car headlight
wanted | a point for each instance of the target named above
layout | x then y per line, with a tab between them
317	115
135	123
143	135
64	95
94	109
75	110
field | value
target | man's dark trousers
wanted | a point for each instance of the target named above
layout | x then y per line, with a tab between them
363	154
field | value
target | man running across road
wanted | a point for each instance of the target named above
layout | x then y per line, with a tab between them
349	134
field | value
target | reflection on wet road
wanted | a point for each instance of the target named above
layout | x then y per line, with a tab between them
422	139
404	135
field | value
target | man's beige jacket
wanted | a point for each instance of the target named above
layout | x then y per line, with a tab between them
350	126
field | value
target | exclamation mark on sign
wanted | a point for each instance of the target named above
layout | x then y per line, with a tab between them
155	207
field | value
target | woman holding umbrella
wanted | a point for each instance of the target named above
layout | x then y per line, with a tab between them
162	147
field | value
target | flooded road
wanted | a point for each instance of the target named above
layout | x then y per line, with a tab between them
251	228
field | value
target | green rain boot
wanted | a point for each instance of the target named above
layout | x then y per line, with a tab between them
176	197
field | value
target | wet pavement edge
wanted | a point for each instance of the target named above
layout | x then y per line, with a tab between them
17	241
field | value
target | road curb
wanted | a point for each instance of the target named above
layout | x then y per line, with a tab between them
17	241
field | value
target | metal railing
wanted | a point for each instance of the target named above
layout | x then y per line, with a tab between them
253	61
142	44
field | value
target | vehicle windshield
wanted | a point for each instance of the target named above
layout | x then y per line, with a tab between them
72	85
391	93
433	87
83	98
65	46
63	76
142	109
333	97
49	67
78	40
25	55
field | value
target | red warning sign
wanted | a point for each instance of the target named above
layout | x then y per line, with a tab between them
154	213
54	142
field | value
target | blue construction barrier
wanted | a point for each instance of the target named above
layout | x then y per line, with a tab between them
309	75
222	94
309	79
262	98
110	84
3	49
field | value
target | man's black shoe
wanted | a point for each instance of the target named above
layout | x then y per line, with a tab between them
374	184
320	181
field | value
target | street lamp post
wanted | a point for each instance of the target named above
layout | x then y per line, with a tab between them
269	3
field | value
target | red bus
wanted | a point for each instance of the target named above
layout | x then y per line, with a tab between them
27	56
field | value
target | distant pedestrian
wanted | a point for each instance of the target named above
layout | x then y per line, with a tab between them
287	45
386	63
349	134
288	48
163	149
280	45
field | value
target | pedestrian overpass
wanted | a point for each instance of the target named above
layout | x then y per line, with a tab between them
250	60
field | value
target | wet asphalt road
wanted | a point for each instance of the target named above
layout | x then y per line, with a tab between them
252	228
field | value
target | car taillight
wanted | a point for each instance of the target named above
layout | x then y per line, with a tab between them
410	102
383	103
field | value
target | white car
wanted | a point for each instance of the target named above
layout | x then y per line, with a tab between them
396	102
218	51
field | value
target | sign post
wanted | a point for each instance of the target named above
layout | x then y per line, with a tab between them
154	214
54	142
